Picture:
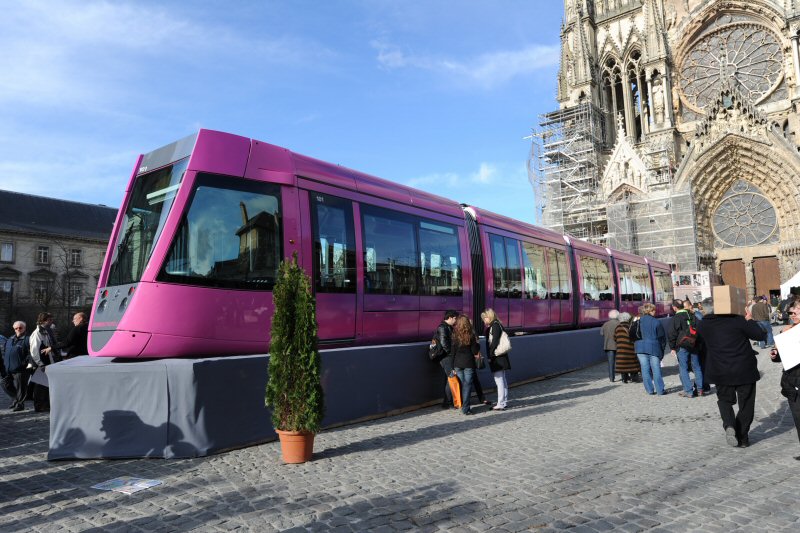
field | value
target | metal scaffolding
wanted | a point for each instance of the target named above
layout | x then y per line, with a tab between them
564	170
660	224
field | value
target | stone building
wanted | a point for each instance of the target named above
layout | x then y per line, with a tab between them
676	134
51	252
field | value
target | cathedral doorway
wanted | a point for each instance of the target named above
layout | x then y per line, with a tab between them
733	273
766	272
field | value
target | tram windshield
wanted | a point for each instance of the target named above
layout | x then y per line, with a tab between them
150	202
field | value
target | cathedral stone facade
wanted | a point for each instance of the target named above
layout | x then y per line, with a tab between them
688	110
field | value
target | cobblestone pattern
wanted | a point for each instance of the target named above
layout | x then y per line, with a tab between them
574	452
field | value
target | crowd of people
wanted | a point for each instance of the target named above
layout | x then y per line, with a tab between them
460	355
716	348
24	354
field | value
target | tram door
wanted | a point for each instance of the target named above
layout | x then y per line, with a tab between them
507	276
334	256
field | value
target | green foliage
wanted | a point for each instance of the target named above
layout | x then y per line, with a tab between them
294	391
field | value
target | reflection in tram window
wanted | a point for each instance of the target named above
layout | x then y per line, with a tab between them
334	244
390	257
535	269
230	237
440	259
596	279
559	275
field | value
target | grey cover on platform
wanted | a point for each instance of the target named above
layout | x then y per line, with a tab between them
171	408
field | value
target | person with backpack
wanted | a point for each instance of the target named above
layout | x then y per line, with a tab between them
682	339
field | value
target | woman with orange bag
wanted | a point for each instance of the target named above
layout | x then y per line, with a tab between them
465	346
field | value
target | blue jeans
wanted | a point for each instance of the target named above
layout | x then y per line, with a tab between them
651	373
611	354
465	375
766	326
684	356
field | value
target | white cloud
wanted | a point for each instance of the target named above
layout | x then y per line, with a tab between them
486	70
485	174
88	53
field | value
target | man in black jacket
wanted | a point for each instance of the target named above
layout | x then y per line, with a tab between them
732	366
444	336
76	341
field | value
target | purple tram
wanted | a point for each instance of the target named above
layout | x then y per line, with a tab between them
206	220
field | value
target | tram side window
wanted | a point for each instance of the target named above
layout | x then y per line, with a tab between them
663	286
534	262
499	266
641	284
514	274
625	282
596	279
334	244
440	259
559	282
230	236
390	252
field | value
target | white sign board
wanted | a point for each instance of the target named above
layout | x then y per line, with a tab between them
788	345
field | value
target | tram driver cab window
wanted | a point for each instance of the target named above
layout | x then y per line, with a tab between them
230	236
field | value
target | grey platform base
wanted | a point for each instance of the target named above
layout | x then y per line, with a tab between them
105	408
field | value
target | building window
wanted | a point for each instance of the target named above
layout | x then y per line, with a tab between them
6	286
75	293
41	291
75	257
7	252
43	255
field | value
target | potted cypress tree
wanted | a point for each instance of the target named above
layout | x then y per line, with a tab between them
294	391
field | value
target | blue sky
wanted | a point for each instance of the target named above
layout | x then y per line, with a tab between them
433	94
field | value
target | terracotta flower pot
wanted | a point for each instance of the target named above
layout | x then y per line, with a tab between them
296	446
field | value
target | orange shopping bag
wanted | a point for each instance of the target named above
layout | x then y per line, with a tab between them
455	388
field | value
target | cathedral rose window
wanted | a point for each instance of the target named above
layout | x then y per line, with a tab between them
745	218
745	51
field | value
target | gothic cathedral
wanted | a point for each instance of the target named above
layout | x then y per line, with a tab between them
677	135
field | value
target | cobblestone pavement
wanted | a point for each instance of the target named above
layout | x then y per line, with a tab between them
574	452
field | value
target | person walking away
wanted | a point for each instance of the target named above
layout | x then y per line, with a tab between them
760	313
683	345
15	359
732	366
610	342
76	342
699	313
790	379
499	364
444	336
649	346
626	363
43	353
465	347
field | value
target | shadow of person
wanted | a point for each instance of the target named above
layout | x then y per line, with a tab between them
126	436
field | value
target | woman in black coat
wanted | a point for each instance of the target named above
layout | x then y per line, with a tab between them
498	363
465	348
